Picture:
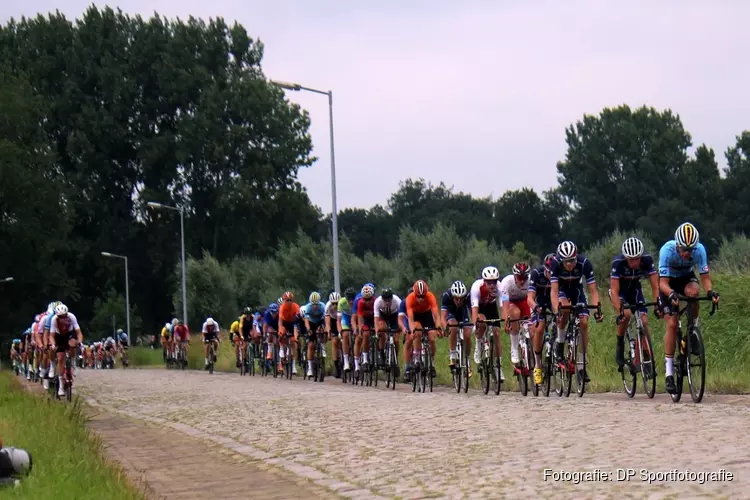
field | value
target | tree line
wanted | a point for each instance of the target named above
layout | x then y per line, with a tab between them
100	115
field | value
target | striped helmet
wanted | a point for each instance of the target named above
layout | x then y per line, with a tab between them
567	250
420	288
632	248
686	236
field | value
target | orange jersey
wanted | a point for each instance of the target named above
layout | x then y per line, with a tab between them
414	306
289	312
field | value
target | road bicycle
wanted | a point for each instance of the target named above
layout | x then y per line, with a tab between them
638	355
319	358
391	358
461	369
547	357
690	359
525	366
370	369
575	359
422	363
490	371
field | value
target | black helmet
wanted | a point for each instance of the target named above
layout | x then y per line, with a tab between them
349	293
386	293
248	310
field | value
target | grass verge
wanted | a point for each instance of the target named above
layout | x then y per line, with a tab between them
68	460
725	336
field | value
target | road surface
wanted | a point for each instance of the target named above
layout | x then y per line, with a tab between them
359	442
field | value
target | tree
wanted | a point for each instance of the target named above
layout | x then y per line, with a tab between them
523	216
737	185
618	164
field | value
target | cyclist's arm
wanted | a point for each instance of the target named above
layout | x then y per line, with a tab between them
653	279
702	261
614	286
531	299
338	321
553	298
706	282
444	318
402	321
505	309
664	285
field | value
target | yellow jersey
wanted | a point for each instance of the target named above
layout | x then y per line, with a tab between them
235	328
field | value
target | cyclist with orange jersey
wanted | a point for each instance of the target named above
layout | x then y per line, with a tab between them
289	315
422	311
485	306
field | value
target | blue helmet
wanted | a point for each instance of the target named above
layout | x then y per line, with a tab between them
274	308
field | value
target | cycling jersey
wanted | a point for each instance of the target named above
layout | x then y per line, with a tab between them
235	327
510	291
458	312
165	332
628	277
332	309
245	326
539	284
314	313
61	325
181	332
481	295
345	313
671	265
384	307
271	320
366	311
213	332
355	303
123	338
427	304
571	280
289	312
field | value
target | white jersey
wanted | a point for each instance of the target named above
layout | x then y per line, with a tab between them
73	324
481	294
510	291
329	306
205	327
386	307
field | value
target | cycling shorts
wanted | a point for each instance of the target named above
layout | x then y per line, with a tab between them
523	306
678	285
346	322
425	319
490	310
391	320
632	296
575	296
460	314
62	339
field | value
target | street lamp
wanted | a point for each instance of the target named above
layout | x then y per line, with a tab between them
127	292
153	204
5	280
334	211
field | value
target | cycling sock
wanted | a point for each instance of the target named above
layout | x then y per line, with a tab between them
514	338
560	335
669	367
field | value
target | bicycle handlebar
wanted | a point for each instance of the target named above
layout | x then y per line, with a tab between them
577	307
714	305
633	307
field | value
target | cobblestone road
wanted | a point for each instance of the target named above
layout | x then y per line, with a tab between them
361	442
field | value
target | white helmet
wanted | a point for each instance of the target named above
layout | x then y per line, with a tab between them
334	297
567	250
175	321
210	322
51	307
167	325
20	460
458	289
632	248
686	235
61	310
490	273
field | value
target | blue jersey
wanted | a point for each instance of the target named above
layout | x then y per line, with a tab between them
48	322
355	302
671	265
628	277
314	313
123	338
540	285
271	320
570	280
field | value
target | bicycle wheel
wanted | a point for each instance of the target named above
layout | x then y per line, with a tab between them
648	369
486	370
570	366
211	360
679	369
374	364
522	376
242	362
696	364
394	367
414	374
428	368
629	375
547	368
321	363
457	369
465	368
581	368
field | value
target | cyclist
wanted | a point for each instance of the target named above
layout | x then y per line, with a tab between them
331	325
110	348
365	308
313	318
422	312
385	313
210	335
181	336
625	286
234	337
64	335
15	353
289	313
344	323
568	269
676	277
454	310
166	340
122	344
269	329
26	349
514	290
485	306
538	299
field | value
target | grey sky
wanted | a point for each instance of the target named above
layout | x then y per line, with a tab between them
478	93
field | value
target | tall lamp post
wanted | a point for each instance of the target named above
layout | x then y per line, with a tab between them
127	293
334	211
5	280
156	205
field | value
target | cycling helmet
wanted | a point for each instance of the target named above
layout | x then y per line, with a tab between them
16	341
280	300
314	298
370	284
386	293
51	307
490	273
686	236
180	322
119	331
174	321
420	288
349	293
167	325
334	297
210	322
274	308
567	250
247	310
632	248
458	289
368	291
61	310
20	460
287	296
548	260
521	269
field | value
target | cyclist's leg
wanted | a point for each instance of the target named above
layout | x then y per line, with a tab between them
562	322
364	346
357	348
381	326
346	340
452	339
479	331
514	313
205	350
310	354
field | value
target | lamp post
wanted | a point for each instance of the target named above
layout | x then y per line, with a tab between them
334	211
153	204
127	292
5	280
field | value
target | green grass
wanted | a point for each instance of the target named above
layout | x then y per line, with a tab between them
725	335
68	460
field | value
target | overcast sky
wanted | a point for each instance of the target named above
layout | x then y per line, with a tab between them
478	93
